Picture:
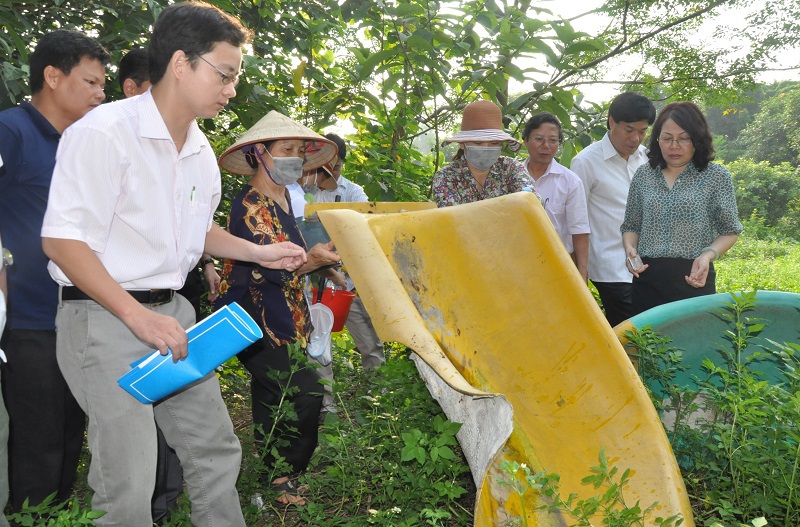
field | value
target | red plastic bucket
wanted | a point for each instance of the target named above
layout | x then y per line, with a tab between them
339	302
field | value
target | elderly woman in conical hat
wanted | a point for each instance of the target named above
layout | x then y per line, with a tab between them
479	170
274	153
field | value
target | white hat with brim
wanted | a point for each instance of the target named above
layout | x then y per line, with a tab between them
484	135
272	127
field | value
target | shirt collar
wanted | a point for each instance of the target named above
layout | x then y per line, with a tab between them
609	151
39	120
553	168
152	125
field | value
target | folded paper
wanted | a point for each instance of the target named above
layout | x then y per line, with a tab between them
212	341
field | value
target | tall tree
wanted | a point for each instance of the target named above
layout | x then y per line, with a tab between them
399	71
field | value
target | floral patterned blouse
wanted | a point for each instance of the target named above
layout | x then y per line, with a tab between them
678	222
453	184
274	298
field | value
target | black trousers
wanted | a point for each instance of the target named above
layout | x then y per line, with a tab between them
169	480
301	433
193	290
616	298
664	281
46	424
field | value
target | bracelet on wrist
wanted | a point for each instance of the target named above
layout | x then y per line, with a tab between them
716	253
208	261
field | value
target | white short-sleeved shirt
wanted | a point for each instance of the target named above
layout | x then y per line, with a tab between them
606	178
121	186
564	201
347	190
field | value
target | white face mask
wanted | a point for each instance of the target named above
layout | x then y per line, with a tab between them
482	157
285	171
310	185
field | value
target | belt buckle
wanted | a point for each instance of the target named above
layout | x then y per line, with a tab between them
160	296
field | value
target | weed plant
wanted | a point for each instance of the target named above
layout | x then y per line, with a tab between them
608	508
742	459
389	457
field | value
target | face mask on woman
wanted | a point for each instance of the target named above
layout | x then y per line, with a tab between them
285	171
310	184
481	157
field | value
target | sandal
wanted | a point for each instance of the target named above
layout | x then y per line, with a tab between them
288	495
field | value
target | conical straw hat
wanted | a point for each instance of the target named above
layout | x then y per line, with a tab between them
272	126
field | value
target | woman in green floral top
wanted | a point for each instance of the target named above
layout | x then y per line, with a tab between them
478	171
681	213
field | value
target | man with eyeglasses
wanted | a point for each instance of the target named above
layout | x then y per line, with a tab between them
130	212
562	192
606	169
134	79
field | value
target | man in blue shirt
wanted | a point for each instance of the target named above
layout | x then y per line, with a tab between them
67	75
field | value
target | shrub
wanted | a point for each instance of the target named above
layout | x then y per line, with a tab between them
743	459
764	190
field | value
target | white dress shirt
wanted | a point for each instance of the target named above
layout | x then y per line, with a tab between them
606	178
564	201
346	189
298	197
121	186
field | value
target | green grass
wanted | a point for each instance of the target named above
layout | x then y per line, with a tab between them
760	265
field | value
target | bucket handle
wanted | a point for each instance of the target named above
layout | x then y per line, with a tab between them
320	289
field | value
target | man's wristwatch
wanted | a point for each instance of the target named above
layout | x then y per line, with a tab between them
208	261
8	258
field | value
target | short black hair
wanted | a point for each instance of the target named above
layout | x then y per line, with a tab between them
538	120
339	144
631	107
194	28
62	49
690	117
134	65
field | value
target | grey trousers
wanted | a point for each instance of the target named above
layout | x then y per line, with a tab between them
360	327
94	349
369	345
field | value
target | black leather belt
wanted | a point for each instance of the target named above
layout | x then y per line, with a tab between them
154	297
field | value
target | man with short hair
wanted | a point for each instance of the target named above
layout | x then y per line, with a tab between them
67	75
561	190
134	79
333	187
606	169
131	211
134	72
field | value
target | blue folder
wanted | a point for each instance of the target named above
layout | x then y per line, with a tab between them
212	341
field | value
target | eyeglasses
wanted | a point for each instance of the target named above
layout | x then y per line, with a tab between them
551	141
680	141
227	78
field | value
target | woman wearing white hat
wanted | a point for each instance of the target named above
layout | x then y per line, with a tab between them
478	171
274	153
